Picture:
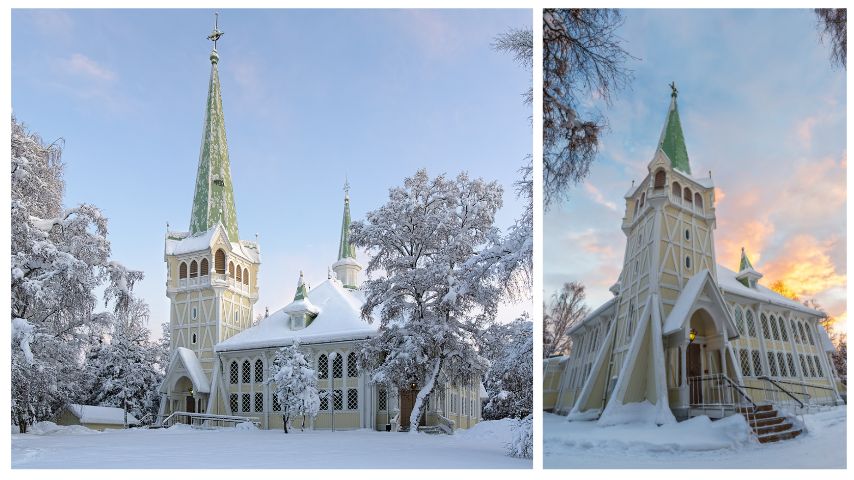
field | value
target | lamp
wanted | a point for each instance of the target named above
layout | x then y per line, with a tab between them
692	334
190	391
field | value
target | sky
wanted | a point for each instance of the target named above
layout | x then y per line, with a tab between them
763	109
309	97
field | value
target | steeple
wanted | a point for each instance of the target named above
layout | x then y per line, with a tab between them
745	262
747	275
345	248
302	289
672	141
213	200
301	311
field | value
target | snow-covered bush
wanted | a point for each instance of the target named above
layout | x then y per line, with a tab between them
509	382
522	443
295	384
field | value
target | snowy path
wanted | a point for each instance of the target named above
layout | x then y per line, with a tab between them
482	447
691	445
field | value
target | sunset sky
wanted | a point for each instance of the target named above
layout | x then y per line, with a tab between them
763	109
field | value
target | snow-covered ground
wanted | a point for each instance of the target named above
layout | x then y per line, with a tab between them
483	446
696	443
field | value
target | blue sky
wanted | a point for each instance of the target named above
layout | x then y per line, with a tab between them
309	97
763	109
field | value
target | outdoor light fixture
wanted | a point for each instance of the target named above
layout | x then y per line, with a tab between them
190	391
412	387
692	334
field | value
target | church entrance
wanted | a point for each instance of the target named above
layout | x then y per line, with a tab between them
694	371
191	405
407	403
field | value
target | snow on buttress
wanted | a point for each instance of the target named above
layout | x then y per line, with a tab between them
339	318
93	414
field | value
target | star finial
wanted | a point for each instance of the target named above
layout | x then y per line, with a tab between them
214	36
673	92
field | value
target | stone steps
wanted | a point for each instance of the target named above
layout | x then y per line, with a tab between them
768	424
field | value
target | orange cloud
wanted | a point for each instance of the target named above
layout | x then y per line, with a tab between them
805	267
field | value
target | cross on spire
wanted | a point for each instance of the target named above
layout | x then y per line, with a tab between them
214	36
346	188
673	91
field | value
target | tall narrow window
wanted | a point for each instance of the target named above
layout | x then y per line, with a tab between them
182	270
259	371
783	333
219	262
247	376
739	320
239	274
686	195
818	367
382	400
352	399
352	365
246	276
231	269
204	267
774	333
698	201
751	325
660	179
233	402
757	363
322	367
809	335
744	356
766	330
259	402
338	366
772	364
337	399
676	191
194	269
234	375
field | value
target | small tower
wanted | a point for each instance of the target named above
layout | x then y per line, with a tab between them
301	311
746	273
347	268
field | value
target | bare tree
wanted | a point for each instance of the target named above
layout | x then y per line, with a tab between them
565	310
832	22
520	43
583	61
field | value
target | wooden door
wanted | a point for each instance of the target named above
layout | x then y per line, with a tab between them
191	405
694	372
407	401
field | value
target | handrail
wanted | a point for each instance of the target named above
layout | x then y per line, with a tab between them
221	418
738	388
768	379
805	385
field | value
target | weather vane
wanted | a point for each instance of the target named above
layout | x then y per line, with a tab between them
214	36
673	88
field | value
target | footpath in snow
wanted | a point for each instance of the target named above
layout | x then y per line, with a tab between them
694	443
49	446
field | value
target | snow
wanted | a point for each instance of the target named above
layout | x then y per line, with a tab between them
193	367
179	243
728	282
339	319
594	314
108	415
687	300
483	446
50	428
695	443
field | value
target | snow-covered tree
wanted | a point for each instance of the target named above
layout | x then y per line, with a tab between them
509	382
295	384
430	304
522	442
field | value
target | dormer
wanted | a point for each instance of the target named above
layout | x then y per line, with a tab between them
301	312
746	274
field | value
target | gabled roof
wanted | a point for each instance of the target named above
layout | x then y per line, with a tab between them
672	141
729	284
104	415
179	243
339	319
698	284
187	358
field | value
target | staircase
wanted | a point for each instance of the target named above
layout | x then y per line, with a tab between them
430	430
768	424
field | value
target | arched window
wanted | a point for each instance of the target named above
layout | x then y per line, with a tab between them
231	269
239	275
352	365
676	191
322	367
803	334
219	262
739	320
247	375
775	334
643	199
686	195
194	269
352	399
809	335
338	366
182	270
660	179
766	330
246	276
687	234
259	371
234	375
751	326
688	263
795	335
204	266
784	335
698	201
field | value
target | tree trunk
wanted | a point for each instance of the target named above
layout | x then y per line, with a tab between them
425	391
22	425
285	422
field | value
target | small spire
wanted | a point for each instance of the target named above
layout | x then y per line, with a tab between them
745	262
345	248
302	289
346	189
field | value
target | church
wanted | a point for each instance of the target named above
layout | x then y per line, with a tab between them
682	335
221	363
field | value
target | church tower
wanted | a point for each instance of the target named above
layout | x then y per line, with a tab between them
212	275
347	268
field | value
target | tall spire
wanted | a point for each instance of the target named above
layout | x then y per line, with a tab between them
672	141
213	200
345	248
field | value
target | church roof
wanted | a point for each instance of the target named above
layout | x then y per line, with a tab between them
180	243
191	364
745	262
102	415
672	141
345	248
213	200
339	319
729	283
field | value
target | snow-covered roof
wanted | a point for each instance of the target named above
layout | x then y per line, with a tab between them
483	394
179	243
339	319
108	415
824	340
688	297
595	313
194	369
729	284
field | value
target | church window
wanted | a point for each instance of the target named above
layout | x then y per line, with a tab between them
352	365
233	402
231	269
660	179
246	276
277	407
259	402
818	367
783	333
194	314
795	331
766	331
739	320
247	376
219	262
809	335
676	191
352	399
744	356
204	267
686	195
790	361
772	364
643	199
324	401
246	403
239	274
337	400
757	363
236	316
781	362
751	325
194	269
804	366
338	366
688	263
194	339
259	371
382	400
812	366
803	334
182	270
234	376
687	234
322	367
774	333
698	201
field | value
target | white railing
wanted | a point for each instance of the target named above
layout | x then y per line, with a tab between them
716	393
446	424
206	420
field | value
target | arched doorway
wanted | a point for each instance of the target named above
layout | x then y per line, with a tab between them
704	358
184	396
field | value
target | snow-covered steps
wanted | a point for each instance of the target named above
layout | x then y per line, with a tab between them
769	425
430	430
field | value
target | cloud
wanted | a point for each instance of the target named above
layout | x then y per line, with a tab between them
597	197
53	23
83	66
806	267
804	130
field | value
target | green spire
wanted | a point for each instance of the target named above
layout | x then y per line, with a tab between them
213	200
672	141
745	262
302	289
345	248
